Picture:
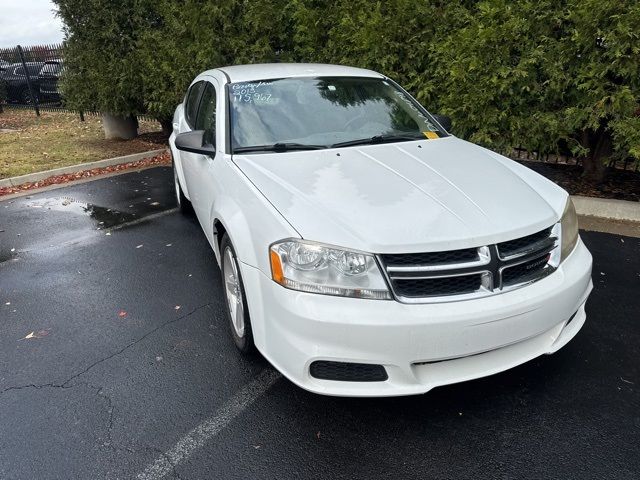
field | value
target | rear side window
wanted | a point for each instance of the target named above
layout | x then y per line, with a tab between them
191	102
34	69
51	69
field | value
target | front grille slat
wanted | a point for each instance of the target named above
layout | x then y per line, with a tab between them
511	248
524	272
471	272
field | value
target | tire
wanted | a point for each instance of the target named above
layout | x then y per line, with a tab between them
235	298
24	97
183	202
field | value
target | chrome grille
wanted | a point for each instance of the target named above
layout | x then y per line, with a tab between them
472	272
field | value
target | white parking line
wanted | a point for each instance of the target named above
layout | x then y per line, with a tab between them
208	429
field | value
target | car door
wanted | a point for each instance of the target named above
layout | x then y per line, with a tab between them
187	124
199	173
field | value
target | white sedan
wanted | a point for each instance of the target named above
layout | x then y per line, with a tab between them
364	250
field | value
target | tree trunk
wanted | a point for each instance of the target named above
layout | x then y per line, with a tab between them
594	169
167	125
119	127
600	147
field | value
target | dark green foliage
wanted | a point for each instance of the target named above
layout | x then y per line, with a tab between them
542	74
101	58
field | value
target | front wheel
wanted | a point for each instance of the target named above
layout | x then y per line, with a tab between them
25	97
236	301
183	202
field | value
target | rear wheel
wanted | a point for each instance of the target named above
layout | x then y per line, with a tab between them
183	202
236	301
25	97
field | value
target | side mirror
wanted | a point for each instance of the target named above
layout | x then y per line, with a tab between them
444	121
194	142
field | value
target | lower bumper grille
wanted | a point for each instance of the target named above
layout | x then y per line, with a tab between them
348	372
472	272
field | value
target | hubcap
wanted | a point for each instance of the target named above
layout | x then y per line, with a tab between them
233	291
176	184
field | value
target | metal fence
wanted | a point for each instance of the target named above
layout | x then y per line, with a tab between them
29	77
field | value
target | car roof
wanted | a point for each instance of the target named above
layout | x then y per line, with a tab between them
29	64
264	71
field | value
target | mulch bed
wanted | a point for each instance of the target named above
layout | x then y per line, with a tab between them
618	184
162	159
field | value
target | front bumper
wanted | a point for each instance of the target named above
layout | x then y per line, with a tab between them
420	346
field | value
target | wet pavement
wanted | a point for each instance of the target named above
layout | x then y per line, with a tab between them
115	362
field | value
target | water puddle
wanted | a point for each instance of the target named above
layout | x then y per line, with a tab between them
6	255
104	217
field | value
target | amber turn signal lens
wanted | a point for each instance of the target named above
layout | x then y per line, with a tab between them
276	268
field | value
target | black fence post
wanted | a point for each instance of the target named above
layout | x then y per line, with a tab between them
34	99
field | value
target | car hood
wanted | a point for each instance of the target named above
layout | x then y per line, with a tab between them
415	196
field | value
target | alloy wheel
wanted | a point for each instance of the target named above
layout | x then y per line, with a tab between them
233	291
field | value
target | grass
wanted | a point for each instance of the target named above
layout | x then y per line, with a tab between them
58	139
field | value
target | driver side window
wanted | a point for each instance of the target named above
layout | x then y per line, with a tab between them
191	102
206	119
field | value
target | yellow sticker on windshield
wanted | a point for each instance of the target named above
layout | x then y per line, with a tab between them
431	135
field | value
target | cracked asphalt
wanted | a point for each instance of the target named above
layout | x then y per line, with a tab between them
114	346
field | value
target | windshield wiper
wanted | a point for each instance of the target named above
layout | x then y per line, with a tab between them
380	139
278	147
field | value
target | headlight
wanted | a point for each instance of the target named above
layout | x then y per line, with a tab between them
316	268
568	230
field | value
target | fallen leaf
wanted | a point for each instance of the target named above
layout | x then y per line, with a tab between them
177	307
122	314
38	334
162	159
140	246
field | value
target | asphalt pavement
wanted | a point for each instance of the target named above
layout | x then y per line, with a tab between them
116	362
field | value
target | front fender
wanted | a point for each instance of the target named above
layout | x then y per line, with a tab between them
251	222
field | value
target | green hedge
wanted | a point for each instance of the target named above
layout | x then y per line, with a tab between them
545	75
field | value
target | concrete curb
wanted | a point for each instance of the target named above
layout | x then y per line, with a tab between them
607	208
36	177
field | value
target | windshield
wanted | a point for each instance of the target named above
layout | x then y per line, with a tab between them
324	112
